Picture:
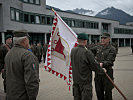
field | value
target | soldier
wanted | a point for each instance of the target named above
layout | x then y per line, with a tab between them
22	70
3	51
33	48
132	47
104	54
45	47
83	64
39	51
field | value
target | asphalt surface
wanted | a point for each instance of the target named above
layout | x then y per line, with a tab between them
54	88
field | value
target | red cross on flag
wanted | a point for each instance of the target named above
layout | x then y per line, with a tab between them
62	40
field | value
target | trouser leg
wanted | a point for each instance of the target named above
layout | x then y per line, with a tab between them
76	92
108	88
99	88
82	91
86	92
4	84
4	80
108	94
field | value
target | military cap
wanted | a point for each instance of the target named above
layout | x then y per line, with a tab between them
21	33
105	35
8	36
83	36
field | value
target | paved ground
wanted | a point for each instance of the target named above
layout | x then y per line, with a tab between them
54	88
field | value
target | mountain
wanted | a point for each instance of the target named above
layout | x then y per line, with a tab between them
84	11
115	14
108	13
50	7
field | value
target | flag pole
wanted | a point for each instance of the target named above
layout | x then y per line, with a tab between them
53	10
115	86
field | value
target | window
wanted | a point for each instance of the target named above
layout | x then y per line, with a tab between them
65	20
31	1
25	0
92	25
38	19
37	1
52	19
26	17
69	23
48	20
12	14
17	16
95	25
73	23
21	16
32	19
43	20
83	24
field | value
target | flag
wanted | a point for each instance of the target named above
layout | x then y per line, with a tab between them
62	40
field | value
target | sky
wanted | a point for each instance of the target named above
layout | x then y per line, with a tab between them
95	5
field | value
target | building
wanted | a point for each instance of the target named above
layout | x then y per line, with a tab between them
129	23
32	15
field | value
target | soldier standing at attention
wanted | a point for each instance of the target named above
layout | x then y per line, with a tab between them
39	51
83	63
3	51
104	54
22	70
45	47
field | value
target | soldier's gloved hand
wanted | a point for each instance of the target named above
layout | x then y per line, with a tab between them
101	64
104	70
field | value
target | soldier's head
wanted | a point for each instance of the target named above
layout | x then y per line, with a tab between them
82	38
22	38
105	39
8	39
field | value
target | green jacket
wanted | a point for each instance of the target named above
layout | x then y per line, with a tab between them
22	74
105	54
38	50
3	52
83	63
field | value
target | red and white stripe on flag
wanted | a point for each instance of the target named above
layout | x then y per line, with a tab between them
62	40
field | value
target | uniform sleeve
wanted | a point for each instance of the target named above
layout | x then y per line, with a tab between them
110	58
3	52
1	59
31	75
94	50
93	64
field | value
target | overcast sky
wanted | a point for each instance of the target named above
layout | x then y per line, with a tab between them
95	5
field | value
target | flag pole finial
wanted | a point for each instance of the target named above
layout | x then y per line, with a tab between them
53	10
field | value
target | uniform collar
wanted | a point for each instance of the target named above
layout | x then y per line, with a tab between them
107	46
18	45
81	46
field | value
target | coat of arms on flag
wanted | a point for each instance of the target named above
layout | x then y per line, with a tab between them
62	40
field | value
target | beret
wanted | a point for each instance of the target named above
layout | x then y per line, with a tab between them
8	36
83	36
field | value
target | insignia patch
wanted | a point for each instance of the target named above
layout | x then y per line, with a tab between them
33	66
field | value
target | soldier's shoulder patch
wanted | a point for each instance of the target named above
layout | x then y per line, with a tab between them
33	66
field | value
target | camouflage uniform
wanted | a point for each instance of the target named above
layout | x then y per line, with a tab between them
105	55
22	73
3	51
115	45
45	47
33	48
39	53
83	64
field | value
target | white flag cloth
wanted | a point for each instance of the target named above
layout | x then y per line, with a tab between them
62	40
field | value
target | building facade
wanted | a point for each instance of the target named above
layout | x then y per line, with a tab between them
33	16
